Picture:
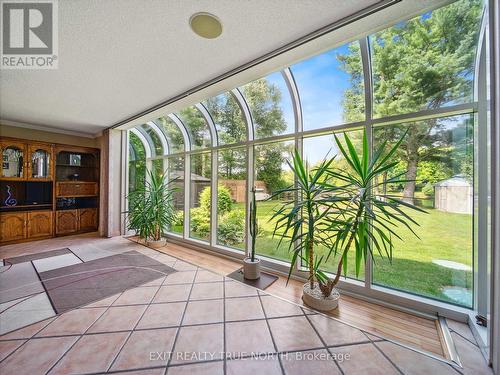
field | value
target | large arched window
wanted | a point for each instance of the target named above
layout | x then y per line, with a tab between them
228	118
415	78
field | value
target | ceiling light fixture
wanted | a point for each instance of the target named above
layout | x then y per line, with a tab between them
205	25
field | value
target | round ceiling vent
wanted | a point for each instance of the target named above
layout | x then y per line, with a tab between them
206	25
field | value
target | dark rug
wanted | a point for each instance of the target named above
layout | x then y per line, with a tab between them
30	257
262	283
80	284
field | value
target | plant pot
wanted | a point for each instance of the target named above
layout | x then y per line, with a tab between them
251	270
315	299
156	244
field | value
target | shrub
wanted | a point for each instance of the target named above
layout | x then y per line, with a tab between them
428	189
178	219
231	228
224	201
200	221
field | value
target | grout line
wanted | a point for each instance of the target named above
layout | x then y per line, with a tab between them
79	338
271	333
224	349
180	324
133	330
462	336
76	255
387	357
323	342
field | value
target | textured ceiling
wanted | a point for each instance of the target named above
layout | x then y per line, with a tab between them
119	57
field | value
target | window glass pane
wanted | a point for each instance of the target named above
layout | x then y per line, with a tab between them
173	134
175	174
228	118
316	150
157	165
272	173
331	87
200	199
231	198
156	145
271	106
427	62
196	126
437	154
137	162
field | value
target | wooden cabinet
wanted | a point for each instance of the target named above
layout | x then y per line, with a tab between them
13	160
76	189
66	221
40	162
13	226
87	218
40	224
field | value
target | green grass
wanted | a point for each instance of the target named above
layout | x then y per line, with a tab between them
443	236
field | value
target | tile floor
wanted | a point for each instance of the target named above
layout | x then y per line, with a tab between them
197	322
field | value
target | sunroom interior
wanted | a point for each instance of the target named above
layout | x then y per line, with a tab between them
166	162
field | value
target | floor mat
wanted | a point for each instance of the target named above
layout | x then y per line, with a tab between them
80	284
262	283
30	257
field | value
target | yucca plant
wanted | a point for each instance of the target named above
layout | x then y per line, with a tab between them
341	210
151	209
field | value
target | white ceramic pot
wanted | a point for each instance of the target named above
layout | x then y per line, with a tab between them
251	270
315	299
157	244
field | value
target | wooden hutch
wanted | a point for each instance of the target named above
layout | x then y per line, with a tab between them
47	190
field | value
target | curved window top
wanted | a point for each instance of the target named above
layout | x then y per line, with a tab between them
331	87
271	106
427	62
228	118
196	126
172	133
136	149
154	138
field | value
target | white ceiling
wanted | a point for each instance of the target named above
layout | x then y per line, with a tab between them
120	57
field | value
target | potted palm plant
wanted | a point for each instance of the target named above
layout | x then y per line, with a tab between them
151	209
251	264
340	210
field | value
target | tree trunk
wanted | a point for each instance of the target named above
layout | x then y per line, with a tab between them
412	159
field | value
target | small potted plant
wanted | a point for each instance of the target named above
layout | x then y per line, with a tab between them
251	264
339	210
151	209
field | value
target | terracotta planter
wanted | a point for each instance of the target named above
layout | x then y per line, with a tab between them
156	244
315	299
251	270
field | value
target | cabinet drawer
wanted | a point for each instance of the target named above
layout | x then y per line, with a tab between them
76	189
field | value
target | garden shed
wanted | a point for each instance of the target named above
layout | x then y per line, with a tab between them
454	195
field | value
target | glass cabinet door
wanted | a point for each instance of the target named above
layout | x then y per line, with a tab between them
40	163
12	161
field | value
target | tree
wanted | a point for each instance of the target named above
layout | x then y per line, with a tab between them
424	63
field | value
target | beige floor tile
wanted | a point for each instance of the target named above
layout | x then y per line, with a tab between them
211	368
236	289
472	360
207	276
7	347
184	277
119	318
245	338
254	366
27	332
243	309
411	362
275	307
74	322
310	362
207	291
92	353
162	315
199	343
200	312
137	351
294	333
363	359
336	333
37	356
136	296
173	293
